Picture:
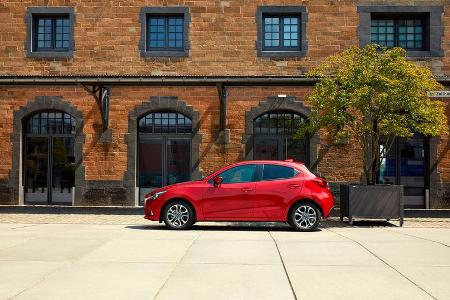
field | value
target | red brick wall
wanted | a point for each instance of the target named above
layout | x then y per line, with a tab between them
444	151
109	161
222	34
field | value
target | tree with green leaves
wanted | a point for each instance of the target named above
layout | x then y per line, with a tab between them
373	95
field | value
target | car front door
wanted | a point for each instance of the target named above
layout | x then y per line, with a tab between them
277	187
233	199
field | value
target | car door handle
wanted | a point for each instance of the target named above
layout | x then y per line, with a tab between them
246	190
294	186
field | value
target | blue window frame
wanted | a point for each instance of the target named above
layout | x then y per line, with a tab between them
165	33
281	32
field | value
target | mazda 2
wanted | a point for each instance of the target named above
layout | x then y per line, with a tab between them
271	191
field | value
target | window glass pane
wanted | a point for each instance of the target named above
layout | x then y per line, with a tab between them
266	149
165	32
281	32
379	30
178	161
406	33
150	166
51	122
52	32
166	122
278	122
277	172
410	30
238	174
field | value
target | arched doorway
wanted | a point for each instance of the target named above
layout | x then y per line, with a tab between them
273	137
164	150
49	157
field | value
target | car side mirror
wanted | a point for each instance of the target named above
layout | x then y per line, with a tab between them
217	181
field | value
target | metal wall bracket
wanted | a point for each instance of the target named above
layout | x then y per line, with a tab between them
224	133
101	95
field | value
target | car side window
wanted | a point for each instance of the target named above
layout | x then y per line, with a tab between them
272	172
238	174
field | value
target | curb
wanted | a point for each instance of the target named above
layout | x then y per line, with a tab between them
82	210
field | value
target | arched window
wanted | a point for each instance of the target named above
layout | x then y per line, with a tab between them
50	122
274	137
164	123
164	149
49	160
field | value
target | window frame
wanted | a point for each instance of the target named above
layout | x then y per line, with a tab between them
282	11
166	33
255	177
433	25
165	12
39	118
33	14
281	32
53	18
257	130
177	126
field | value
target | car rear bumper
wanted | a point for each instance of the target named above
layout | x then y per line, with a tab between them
326	215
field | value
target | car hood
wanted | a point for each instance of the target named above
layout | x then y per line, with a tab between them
175	185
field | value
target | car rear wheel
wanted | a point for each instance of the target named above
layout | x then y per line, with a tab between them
304	216
178	215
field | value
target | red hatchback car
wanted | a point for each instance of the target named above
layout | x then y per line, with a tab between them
273	191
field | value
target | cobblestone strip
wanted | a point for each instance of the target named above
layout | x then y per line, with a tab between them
13	218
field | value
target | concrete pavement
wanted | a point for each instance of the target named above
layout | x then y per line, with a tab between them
93	261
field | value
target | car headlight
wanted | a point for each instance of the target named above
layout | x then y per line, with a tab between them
155	195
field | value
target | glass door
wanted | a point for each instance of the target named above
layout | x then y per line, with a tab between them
280	148
49	158
164	150
273	134
150	164
36	170
178	160
296	150
412	170
405	165
162	161
266	149
63	169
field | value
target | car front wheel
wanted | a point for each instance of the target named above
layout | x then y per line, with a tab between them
178	215
304	216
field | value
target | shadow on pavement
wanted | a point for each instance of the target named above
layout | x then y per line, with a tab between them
224	227
269	226
360	223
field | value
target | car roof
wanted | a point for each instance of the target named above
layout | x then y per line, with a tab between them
290	163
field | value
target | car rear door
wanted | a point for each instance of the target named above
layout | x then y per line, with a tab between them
234	198
278	185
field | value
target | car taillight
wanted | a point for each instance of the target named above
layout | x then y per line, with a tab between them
321	182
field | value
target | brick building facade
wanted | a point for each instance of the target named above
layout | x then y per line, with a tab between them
205	75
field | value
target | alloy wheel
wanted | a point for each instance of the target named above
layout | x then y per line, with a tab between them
178	215
305	217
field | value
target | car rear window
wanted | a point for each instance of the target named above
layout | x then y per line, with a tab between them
272	172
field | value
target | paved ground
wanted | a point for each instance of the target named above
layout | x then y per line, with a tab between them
142	260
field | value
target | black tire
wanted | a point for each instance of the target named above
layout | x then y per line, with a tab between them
178	215
298	216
